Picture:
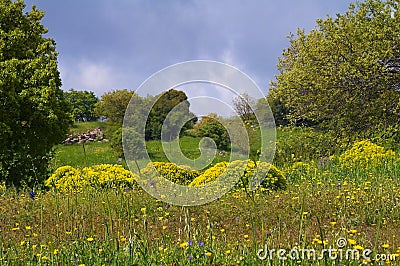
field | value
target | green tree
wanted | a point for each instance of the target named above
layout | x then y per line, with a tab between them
83	104
344	76
211	126
34	114
244	106
166	102
113	105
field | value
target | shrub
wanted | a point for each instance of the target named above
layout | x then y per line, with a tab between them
272	177
67	178
182	174
365	155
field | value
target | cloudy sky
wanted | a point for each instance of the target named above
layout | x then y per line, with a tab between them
105	45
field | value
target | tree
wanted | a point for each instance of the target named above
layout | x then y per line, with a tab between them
244	106
344	76
113	105
83	104
160	110
34	114
211	126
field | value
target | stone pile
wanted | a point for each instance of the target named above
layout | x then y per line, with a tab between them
89	136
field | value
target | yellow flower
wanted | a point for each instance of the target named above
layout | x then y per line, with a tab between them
351	241
27	227
222	230
122	239
385	245
208	254
333	223
183	245
358	247
164	227
246	236
55	252
227	252
90	239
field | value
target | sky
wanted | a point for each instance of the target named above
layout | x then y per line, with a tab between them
105	45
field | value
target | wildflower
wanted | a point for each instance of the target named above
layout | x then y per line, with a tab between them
246	236
55	252
385	245
190	257
190	242
208	254
358	247
333	223
27	227
183	245
227	252
164	227
90	239
32	195
167	206
201	243
351	241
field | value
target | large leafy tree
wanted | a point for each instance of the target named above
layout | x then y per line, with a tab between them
113	105
165	103
34	114
83	104
344	76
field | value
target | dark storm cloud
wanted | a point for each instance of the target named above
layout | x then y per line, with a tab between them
107	45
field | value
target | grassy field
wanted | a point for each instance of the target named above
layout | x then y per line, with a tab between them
352	199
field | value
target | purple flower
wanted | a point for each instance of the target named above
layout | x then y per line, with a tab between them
190	257
167	206
201	243
32	195
190	242
152	183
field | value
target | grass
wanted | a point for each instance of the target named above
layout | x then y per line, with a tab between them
129	227
323	203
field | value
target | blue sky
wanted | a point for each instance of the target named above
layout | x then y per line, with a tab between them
105	45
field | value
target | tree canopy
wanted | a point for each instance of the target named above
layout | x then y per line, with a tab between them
34	114
83	104
344	76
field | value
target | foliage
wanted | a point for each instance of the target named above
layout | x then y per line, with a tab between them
113	105
344	76
68	178
303	144
83	104
365	155
244	106
34	113
177	174
211	126
273	178
175	122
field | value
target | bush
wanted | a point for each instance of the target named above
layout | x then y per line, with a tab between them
273	178
182	174
366	155
68	178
